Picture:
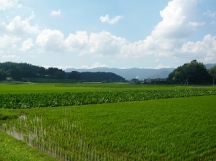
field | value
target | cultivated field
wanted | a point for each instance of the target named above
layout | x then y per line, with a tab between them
108	122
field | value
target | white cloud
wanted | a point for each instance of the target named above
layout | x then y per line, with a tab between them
168	35
8	43
27	45
10	57
175	18
210	13
204	49
55	13
63	67
109	20
104	43
5	4
196	24
168	39
95	65
77	41
161	66
18	26
97	44
51	40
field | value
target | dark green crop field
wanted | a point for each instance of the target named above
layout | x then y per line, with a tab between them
140	123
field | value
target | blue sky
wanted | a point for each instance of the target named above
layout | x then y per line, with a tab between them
108	33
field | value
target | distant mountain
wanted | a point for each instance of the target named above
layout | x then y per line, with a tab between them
100	77
131	73
208	66
128	74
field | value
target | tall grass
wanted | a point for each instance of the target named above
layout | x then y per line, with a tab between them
16	150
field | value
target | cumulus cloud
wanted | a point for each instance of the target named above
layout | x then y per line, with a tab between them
176	26
51	40
55	13
204	49
175	17
109	20
169	38
27	45
104	43
5	4
77	41
19	26
8	43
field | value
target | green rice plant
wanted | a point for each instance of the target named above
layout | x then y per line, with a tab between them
168	129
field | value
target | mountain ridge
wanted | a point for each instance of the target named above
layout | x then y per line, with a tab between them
131	73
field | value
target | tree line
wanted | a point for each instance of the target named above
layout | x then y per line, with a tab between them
193	72
25	71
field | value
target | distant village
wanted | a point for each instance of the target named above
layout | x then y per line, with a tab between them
149	81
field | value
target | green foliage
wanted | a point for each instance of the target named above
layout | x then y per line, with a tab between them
20	88
193	72
101	77
212	71
165	129
73	75
28	72
3	74
15	150
171	129
33	100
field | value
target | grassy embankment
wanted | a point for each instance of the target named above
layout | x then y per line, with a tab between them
15	150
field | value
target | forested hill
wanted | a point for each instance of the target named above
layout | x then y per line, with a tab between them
28	72
100	77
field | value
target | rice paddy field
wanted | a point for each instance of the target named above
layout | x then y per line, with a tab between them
110	122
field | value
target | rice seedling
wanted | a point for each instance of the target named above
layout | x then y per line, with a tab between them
168	129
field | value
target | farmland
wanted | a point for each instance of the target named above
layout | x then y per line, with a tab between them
59	88
136	123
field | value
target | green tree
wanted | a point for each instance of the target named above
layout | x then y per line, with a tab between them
16	74
212	73
3	74
74	75
59	74
193	72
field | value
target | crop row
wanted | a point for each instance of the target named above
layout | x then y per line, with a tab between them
62	140
24	101
117	132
